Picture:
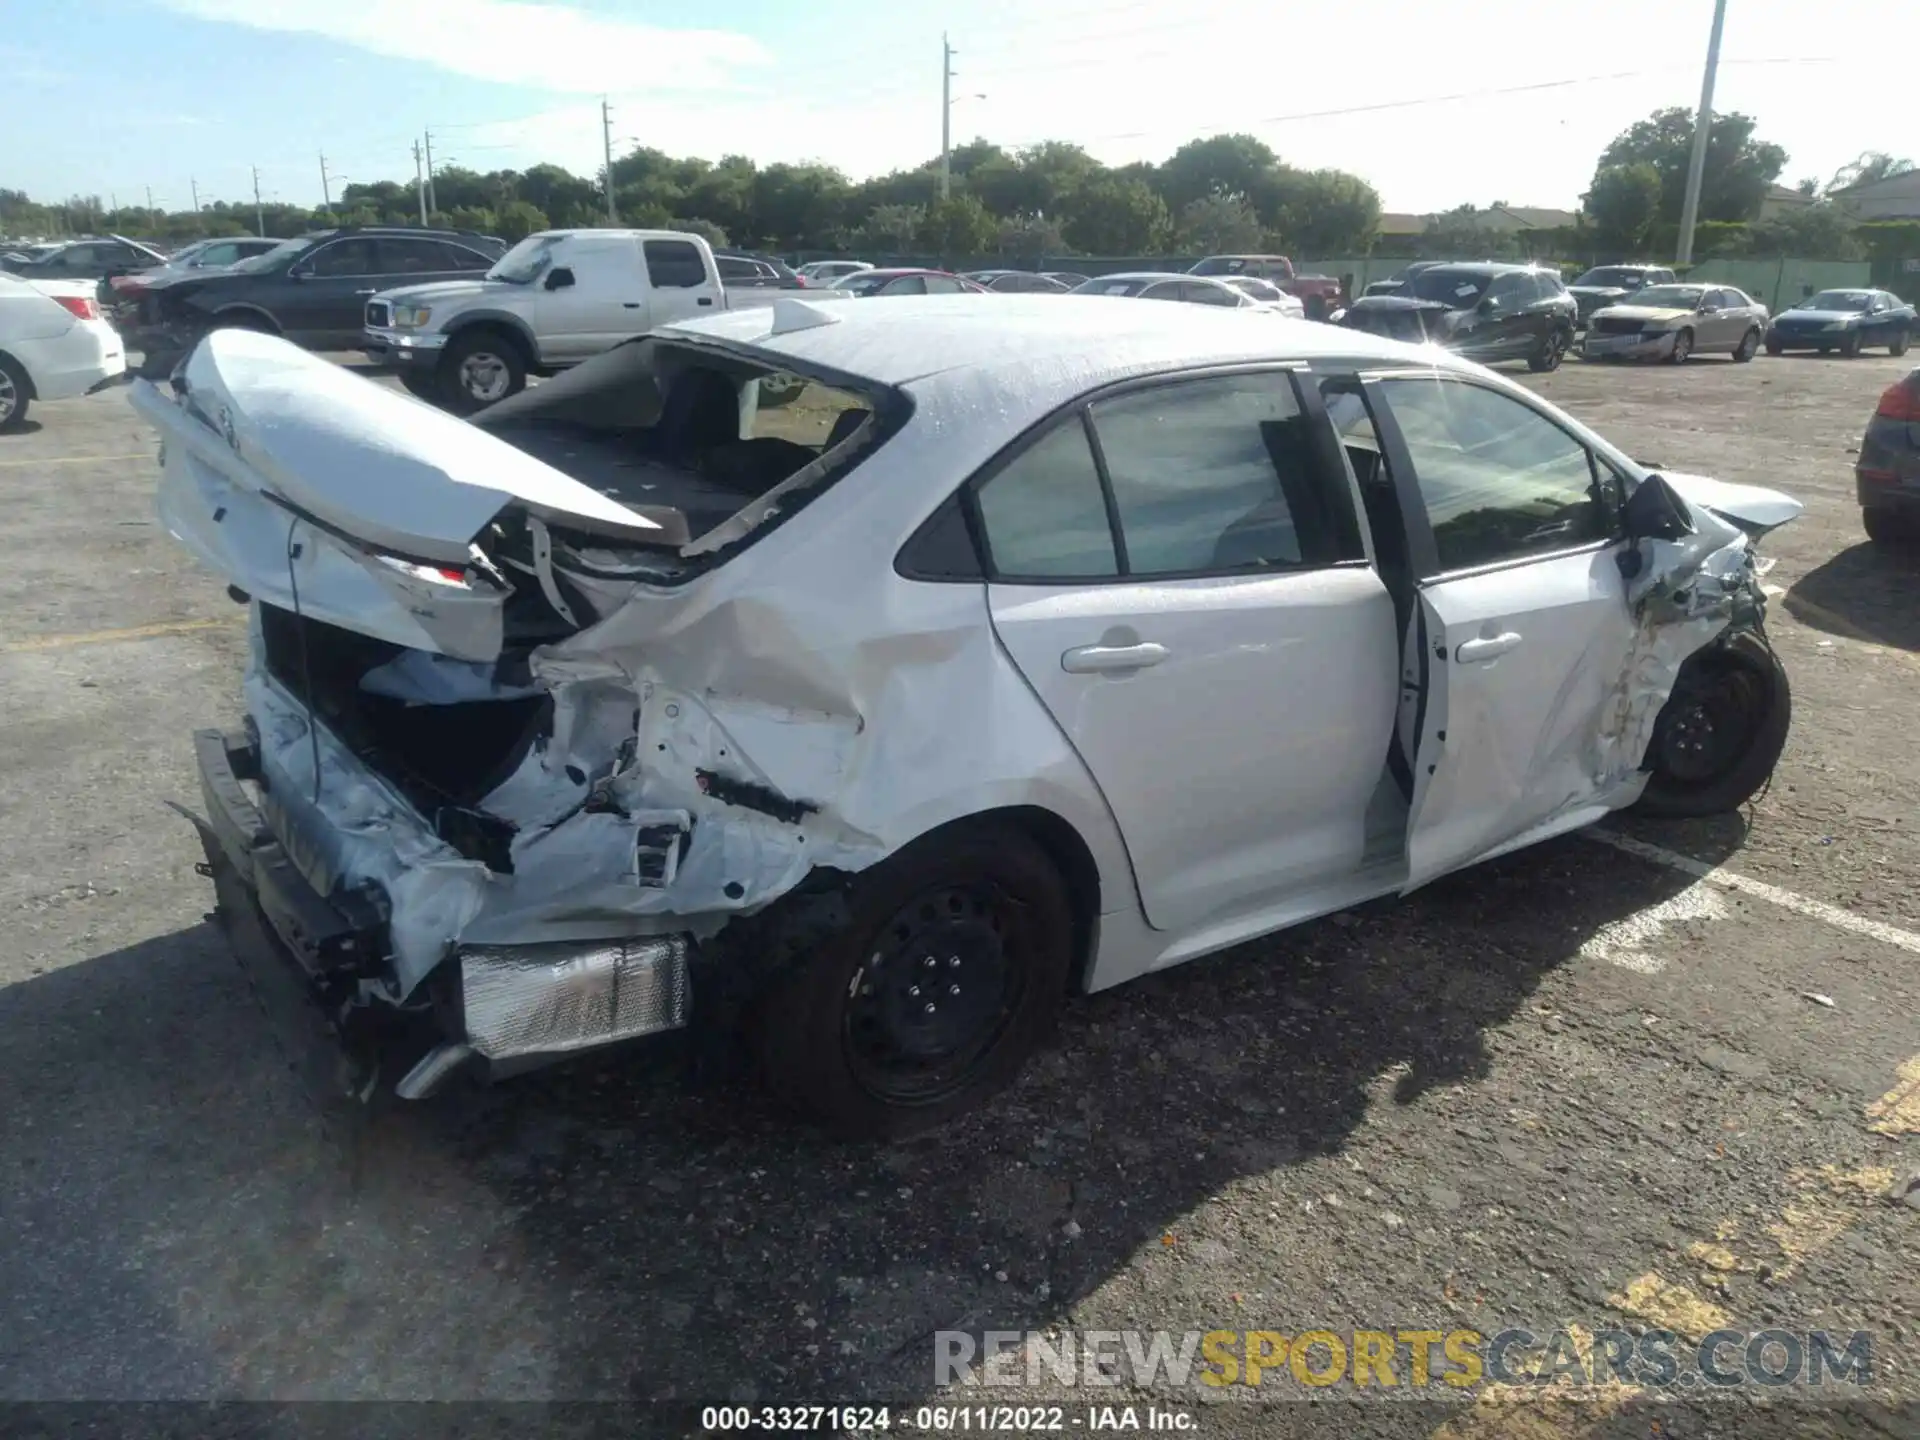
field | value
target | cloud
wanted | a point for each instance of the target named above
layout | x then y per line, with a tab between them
550	47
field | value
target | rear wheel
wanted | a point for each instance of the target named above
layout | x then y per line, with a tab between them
1721	732
1553	349
1898	345
951	970
14	387
1682	347
1749	343
1887	527
480	368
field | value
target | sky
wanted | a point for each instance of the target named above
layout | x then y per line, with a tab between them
119	97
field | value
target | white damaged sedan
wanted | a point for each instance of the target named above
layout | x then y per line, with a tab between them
1030	649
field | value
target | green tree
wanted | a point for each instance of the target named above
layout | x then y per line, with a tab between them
724	194
1029	237
1739	169
957	227
474	217
1218	224
1869	166
518	219
1622	204
890	229
798	207
1319	212
1108	216
1233	166
705	229
1809	232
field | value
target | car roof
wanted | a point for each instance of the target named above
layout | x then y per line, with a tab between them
1033	352
906	270
1158	275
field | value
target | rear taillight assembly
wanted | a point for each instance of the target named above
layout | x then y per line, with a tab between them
1901	401
81	307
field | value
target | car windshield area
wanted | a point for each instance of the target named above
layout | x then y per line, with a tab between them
274	259
1614	276
1459	289
1837	300
1670	297
525	262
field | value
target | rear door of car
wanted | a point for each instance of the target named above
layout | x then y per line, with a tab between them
1177	570
1523	628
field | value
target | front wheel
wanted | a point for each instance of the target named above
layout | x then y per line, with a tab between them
950	972
1774	347
1682	347
478	369
1850	346
1721	731
1552	351
1749	343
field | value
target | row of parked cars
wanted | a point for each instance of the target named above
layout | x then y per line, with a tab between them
1495	312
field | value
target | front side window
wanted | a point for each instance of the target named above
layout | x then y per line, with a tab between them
943	285
674	264
1211	295
1044	514
905	285
1168	291
345	257
1498	479
224	254
1218	475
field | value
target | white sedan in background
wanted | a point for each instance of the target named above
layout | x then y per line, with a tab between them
54	345
1169	285
1268	296
1077	640
825	272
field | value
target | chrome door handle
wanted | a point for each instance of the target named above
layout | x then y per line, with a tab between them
1472	652
1111	659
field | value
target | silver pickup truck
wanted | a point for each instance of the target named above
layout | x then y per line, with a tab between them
553	300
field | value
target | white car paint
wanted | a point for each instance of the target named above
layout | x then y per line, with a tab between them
826	272
62	354
1217	742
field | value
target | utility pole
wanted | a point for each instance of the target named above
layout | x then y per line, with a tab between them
420	182
606	143
194	185
149	199
326	189
433	200
946	117
259	216
1702	129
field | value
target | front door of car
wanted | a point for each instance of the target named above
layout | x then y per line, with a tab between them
1178	573
1500	323
1718	325
323	303
591	296
1523	627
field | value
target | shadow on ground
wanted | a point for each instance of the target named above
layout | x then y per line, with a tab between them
665	1240
1868	587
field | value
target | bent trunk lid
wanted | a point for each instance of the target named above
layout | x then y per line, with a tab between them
312	489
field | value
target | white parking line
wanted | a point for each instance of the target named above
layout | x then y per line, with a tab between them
1760	890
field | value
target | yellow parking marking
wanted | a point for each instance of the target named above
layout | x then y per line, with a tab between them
1670	1306
107	637
77	459
1898	1111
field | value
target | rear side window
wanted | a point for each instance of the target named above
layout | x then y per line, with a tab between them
1211	295
1215	476
1160	292
346	257
906	285
1044	514
732	269
674	264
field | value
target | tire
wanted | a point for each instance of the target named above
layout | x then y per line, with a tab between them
836	1034
1732	698
1887	528
1682	348
472	355
421	387
1749	343
1850	345
15	394
1552	351
1898	345
1774	347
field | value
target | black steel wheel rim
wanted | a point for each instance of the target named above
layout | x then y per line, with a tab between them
1712	726
934	993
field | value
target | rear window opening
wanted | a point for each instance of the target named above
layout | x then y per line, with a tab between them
708	444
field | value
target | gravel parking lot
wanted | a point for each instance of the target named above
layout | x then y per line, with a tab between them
1579	1086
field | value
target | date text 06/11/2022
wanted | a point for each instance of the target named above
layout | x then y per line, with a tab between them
942	1419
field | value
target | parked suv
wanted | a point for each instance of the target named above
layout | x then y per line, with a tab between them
1606	285
756	272
312	290
94	258
1487	312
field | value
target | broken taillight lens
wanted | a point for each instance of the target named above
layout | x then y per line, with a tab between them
81	307
1901	401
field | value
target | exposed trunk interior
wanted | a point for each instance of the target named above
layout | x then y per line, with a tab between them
445	758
